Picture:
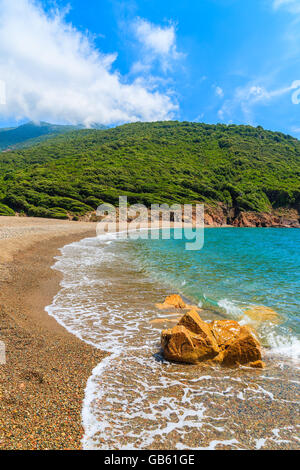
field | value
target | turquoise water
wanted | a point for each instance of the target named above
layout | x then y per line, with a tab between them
136	400
236	268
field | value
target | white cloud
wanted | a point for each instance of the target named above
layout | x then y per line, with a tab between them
295	130
199	118
54	72
159	44
219	91
296	94
292	6
246	98
156	38
2	92
292	34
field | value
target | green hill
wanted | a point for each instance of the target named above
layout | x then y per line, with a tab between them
242	167
30	133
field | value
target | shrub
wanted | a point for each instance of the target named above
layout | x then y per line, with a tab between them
5	210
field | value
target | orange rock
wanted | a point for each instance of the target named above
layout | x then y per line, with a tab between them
224	342
257	364
174	301
261	314
241	350
225	330
237	343
181	345
192	321
219	358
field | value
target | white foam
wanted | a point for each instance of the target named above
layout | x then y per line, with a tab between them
129	389
280	341
232	309
287	346
259	443
89	421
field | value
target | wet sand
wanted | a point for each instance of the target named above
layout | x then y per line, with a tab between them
42	383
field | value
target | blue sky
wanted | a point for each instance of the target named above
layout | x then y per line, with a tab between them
115	61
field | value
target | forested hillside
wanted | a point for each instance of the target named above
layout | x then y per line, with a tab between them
242	167
30	133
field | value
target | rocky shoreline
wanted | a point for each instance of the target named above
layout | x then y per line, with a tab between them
215	216
219	216
222	216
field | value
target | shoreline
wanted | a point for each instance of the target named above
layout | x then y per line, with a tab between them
31	391
151	390
43	381
42	386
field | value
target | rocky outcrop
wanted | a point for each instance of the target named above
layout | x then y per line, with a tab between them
216	216
288	219
173	301
241	349
224	342
257	365
220	215
190	341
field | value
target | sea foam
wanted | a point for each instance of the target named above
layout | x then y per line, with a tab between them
106	302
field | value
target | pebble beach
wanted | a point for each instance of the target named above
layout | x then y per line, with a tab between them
56	391
42	383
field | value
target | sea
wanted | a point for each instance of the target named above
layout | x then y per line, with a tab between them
134	399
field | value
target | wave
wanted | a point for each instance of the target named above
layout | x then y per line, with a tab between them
287	346
107	303
278	339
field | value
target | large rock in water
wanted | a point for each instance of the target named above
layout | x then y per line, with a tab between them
237	343
224	331
181	345
190	341
225	342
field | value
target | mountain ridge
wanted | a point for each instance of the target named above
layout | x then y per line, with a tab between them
32	133
238	168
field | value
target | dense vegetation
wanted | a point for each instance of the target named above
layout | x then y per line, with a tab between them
243	167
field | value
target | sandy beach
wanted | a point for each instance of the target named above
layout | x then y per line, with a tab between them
43	381
47	368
